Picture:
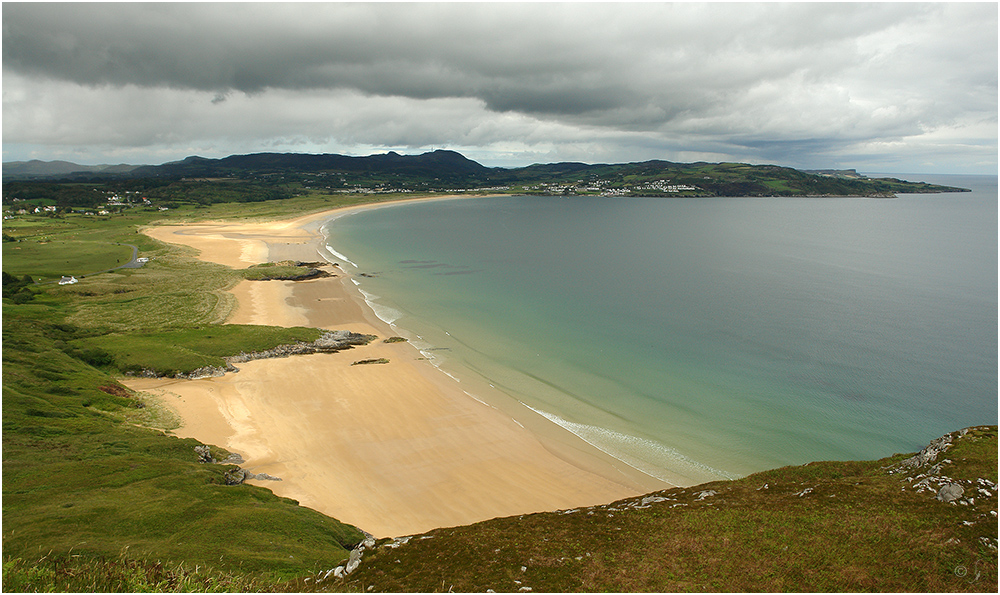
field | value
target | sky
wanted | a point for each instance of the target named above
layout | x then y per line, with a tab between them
882	87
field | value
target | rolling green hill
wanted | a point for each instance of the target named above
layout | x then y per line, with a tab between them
827	526
447	170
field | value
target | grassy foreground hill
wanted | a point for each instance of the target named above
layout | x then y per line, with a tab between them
98	496
825	526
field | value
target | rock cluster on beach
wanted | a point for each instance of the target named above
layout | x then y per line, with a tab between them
329	342
235	476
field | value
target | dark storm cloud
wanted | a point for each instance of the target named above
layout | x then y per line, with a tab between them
561	59
381	49
744	77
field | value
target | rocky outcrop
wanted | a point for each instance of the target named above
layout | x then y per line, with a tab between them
205	456
950	492
353	561
208	372
331	341
925	474
235	476
929	454
239	475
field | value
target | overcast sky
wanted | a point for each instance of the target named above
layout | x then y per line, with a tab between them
878	87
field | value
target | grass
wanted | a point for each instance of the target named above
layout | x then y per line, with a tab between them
81	482
73	574
169	352
277	270
77	477
74	257
830	526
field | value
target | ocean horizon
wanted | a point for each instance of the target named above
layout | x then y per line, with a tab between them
702	339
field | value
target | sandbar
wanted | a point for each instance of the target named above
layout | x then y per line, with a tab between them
394	449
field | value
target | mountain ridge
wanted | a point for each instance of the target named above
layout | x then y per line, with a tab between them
445	170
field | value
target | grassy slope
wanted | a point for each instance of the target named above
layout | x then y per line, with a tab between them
830	526
78	477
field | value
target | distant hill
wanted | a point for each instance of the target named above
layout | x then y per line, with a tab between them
437	163
36	169
445	170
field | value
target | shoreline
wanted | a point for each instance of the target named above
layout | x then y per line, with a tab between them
394	449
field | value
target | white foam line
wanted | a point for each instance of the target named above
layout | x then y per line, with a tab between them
485	403
341	256
384	313
568	426
579	430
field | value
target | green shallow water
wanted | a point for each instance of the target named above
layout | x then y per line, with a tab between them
709	338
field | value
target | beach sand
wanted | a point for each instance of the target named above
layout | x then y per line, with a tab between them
394	449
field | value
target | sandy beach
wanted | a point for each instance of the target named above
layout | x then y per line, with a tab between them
395	449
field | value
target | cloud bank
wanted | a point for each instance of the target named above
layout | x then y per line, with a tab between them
890	87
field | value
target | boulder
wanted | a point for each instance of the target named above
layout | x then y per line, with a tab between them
950	492
237	476
354	561
204	454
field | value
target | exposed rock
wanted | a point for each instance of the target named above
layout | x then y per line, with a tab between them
237	476
398	541
647	500
928	455
208	372
267	477
950	492
204	454
331	341
354	560
381	360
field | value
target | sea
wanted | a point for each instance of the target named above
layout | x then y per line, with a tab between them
703	338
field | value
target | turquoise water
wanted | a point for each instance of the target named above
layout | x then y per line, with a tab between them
704	338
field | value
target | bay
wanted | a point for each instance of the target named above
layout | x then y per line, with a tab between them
704	338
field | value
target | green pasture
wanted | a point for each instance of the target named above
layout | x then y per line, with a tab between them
184	350
46	261
46	248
